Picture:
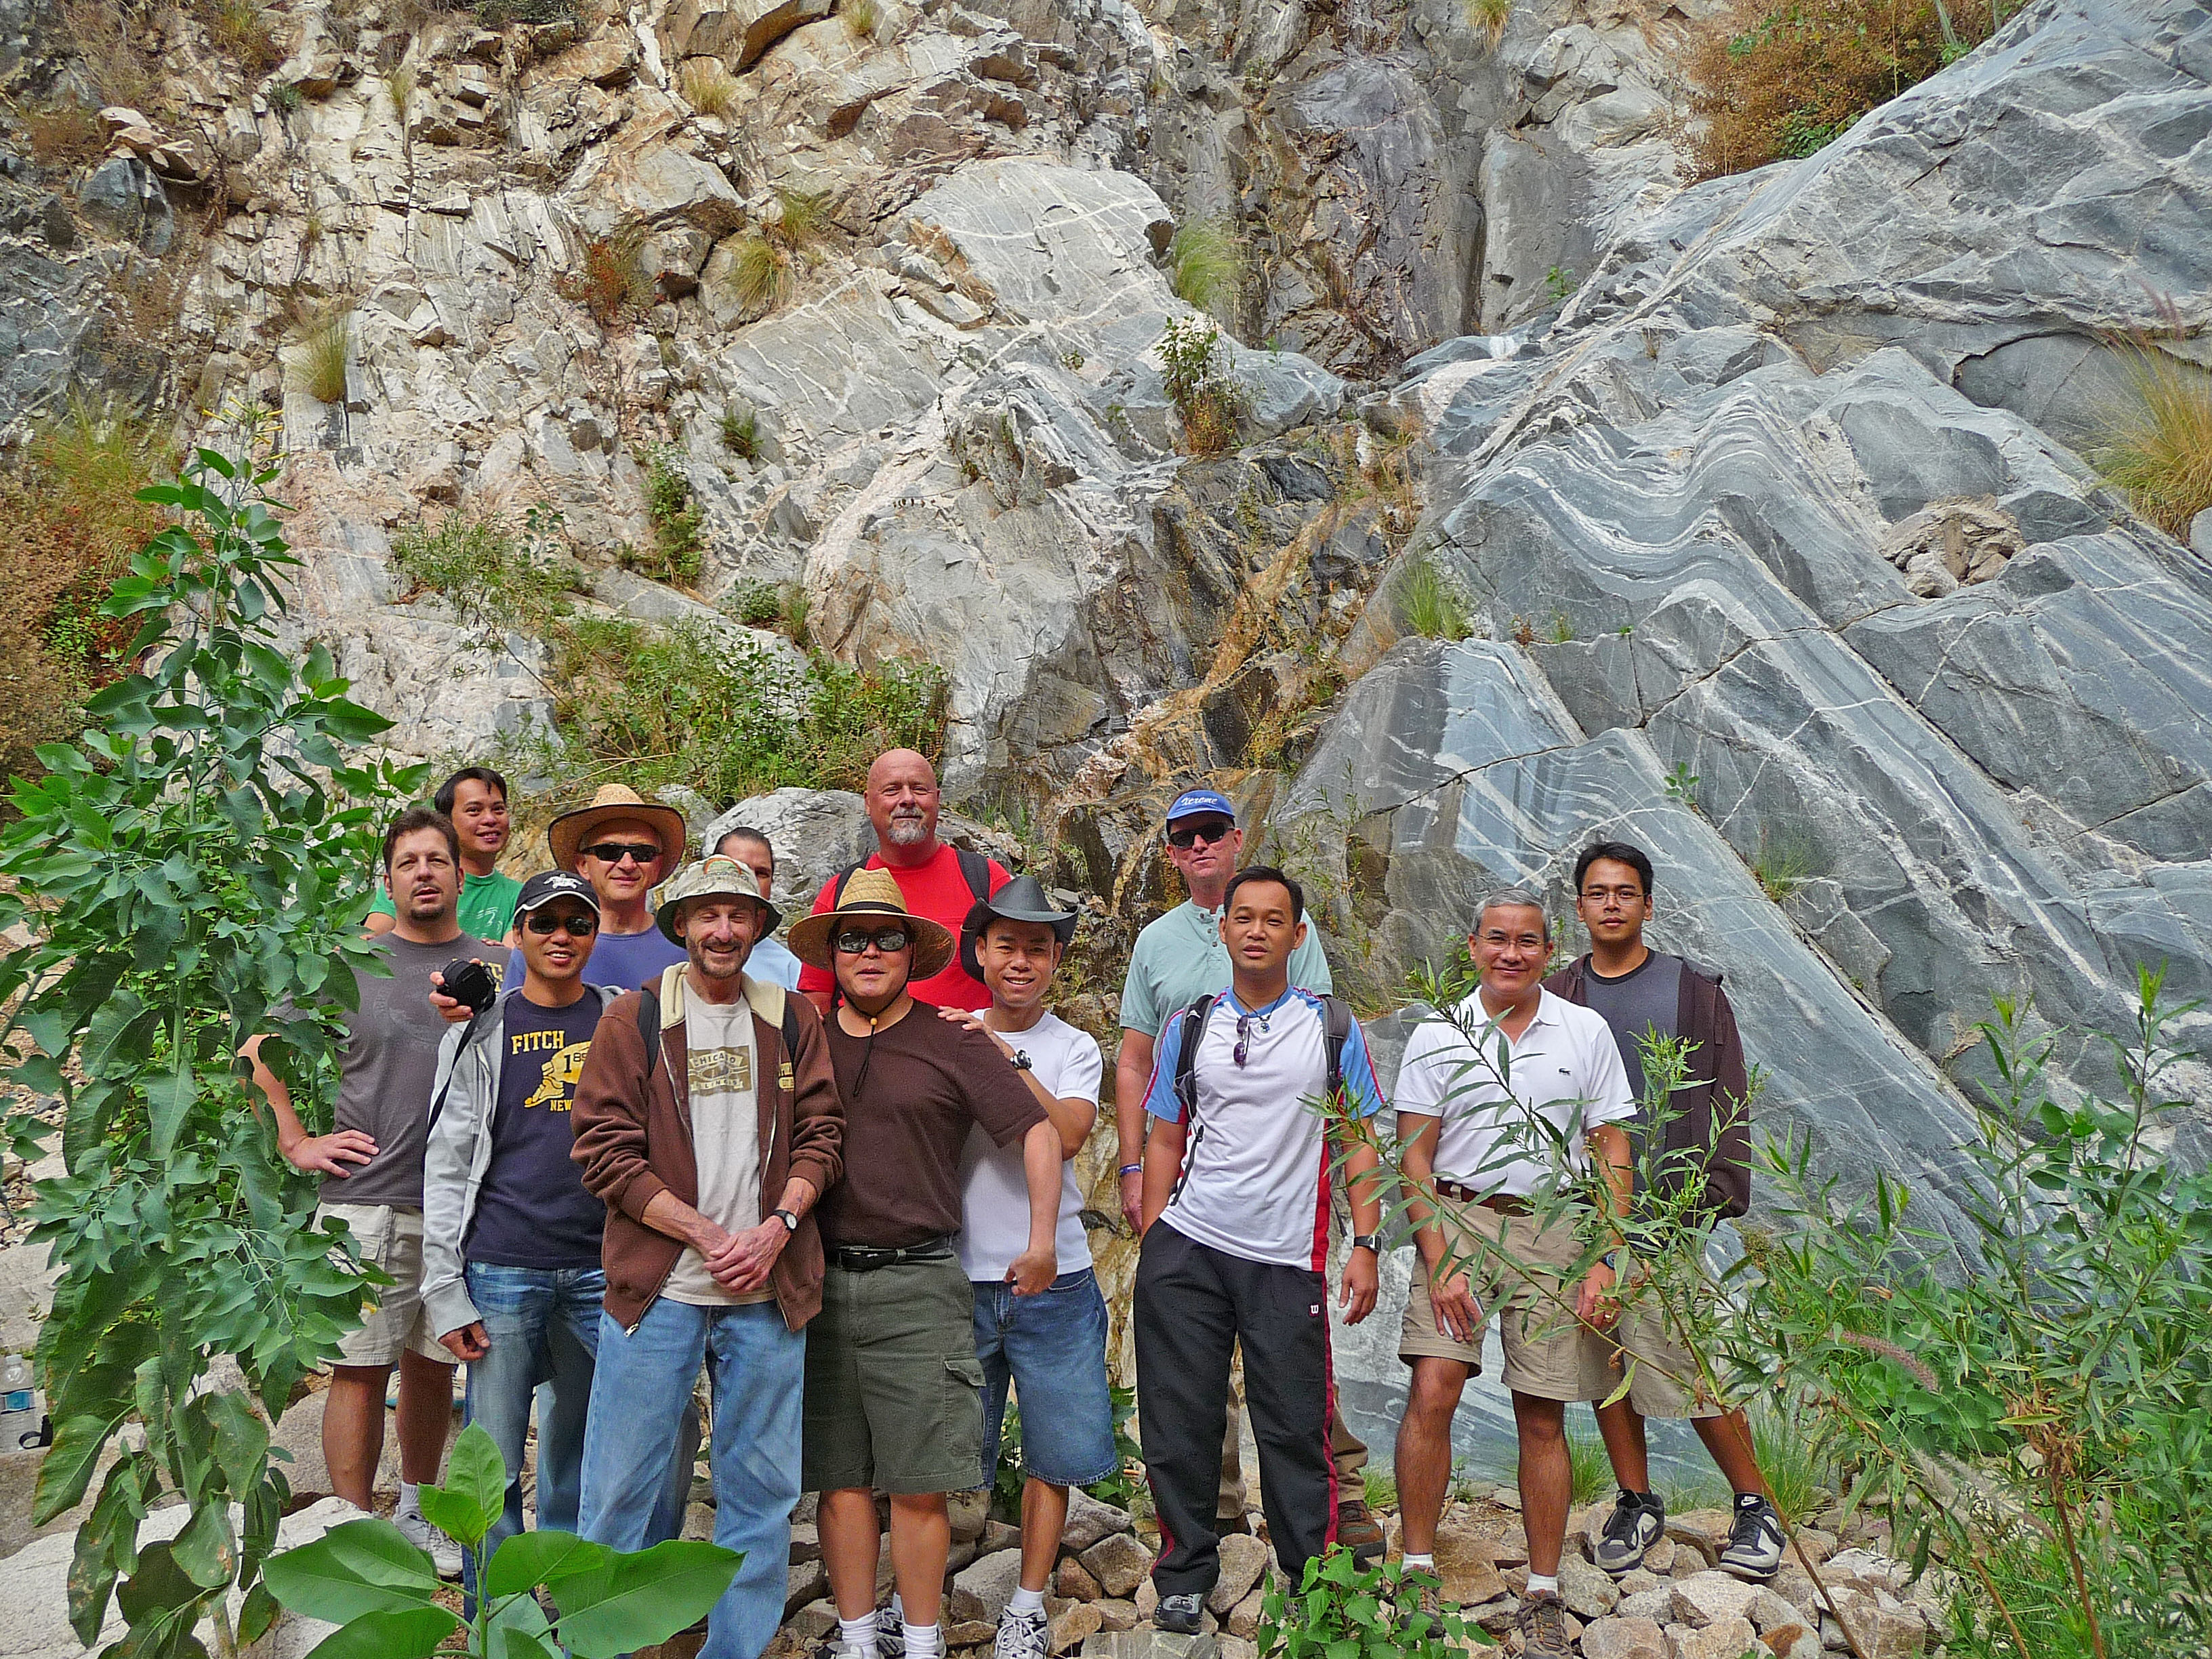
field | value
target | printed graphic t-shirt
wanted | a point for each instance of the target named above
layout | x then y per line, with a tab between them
722	1065
994	1189
487	905
936	890
531	1208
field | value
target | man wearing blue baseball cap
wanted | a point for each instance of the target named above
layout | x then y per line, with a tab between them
1179	958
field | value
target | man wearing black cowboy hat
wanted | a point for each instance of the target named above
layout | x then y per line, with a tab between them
1051	1348
894	1392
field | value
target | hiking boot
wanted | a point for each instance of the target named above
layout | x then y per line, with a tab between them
1179	1615
1360	1531
1638	1521
1754	1545
1022	1635
443	1552
1542	1622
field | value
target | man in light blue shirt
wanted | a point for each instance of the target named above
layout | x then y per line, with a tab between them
771	958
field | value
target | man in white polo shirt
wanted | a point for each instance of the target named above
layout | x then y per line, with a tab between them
1237	1209
1484	1148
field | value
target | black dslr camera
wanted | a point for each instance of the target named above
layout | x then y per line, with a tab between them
470	983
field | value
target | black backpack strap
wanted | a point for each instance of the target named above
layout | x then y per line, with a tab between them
648	1026
468	1036
791	1030
1336	1029
1186	1083
975	871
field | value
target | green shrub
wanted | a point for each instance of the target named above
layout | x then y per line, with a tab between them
2158	447
1339	1612
1205	265
497	580
754	602
697	705
1785	861
1194	364
1429	603
741	429
678	548
1789	1455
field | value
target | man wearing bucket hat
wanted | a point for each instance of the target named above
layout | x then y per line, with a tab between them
1052	1347
623	844
894	1391
708	1119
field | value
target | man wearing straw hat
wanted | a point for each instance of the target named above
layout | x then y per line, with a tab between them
894	1389
708	1122
623	844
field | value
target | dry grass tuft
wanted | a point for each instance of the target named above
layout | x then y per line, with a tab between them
760	275
861	18
2159	446
612	284
1486	20
318	356
62	136
1206	264
708	86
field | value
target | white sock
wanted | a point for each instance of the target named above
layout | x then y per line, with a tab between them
1543	1581
859	1632
923	1641
410	1504
1421	1563
1026	1600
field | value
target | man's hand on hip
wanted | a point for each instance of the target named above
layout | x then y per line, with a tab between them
470	1343
1595	1304
1453	1303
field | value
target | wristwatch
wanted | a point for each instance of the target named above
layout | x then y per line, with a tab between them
1022	1061
790	1221
1368	1242
1612	1259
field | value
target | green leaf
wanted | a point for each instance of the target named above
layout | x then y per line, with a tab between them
400	1633
474	1491
256	1615
67	1469
159	1585
168	1099
531	1559
242	1438
207	1549
361	1567
638	1599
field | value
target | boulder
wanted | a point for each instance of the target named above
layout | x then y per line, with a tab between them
739	31
1711	1598
1072	1627
1244	1564
1467	1565
1588	1591
122	198
1726	1638
1074	1581
1088	1520
1624	1638
1119	1563
1145	1643
981	1590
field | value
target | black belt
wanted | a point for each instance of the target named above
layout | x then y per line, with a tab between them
866	1259
1504	1203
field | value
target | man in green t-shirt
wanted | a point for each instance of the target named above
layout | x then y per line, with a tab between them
475	799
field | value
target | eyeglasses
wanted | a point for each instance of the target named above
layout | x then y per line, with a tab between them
575	926
853	942
1246	1024
1210	831
613	852
1600	894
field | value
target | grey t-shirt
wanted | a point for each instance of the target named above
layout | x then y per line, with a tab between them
1648	997
391	1062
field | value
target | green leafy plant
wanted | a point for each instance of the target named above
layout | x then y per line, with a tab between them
1206	264
197	858
1195	367
1682	784
754	602
285	100
496	581
1339	1612
1563	631
740	430
679	551
1429	602
1558	281
383	1592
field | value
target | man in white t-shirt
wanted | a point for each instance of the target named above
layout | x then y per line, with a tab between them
1236	1176
1051	1346
1484	1147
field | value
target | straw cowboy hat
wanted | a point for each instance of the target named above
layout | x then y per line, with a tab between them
872	896
613	803
711	877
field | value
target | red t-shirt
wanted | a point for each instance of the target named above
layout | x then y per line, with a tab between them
936	890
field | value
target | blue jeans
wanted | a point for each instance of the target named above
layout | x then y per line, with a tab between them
757	1371
1052	1346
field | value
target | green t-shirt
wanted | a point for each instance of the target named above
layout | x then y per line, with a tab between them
1180	958
487	905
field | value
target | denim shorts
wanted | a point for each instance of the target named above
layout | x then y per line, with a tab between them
1053	1347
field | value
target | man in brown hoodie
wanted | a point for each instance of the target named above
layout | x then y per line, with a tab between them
707	1118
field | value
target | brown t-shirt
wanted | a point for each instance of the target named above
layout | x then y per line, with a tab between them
927	1082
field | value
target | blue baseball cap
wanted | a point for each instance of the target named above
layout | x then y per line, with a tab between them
1191	802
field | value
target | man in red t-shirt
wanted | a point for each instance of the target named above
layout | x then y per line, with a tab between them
903	802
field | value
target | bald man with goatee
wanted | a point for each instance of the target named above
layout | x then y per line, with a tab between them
938	881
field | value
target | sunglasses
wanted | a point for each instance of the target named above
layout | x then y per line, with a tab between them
613	852
1211	831
853	942
581	926
1245	1025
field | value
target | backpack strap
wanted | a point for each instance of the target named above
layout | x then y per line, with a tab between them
1336	1031
975	871
648	1026
1186	1083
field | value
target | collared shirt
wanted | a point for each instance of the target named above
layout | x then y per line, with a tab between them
1564	1072
1180	958
1255	1176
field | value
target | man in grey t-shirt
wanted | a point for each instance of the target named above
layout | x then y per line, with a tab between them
372	1166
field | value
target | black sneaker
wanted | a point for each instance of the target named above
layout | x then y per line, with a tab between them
1754	1545
1179	1615
1638	1521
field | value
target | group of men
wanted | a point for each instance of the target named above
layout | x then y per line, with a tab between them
837	1176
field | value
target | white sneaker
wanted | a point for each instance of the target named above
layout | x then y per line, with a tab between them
445	1554
1022	1635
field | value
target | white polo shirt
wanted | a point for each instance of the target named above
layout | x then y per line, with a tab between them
1256	1178
1564	1069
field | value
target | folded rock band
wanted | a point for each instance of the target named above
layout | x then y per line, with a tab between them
837	1173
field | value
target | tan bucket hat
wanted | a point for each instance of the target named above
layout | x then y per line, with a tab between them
613	802
711	877
873	896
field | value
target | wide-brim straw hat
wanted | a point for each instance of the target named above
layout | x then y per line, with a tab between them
711	877
873	896
612	803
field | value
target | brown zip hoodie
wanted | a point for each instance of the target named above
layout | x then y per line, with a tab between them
634	1139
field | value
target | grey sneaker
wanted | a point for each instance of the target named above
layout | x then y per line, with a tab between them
443	1552
1635	1524
1542	1622
890	1635
1754	1545
1022	1635
1180	1614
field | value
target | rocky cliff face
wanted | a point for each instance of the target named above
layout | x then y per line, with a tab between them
1770	508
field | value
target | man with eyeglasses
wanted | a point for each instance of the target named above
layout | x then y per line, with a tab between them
1236	1184
1487	1144
1705	1137
708	1122
894	1388
511	1275
1178	958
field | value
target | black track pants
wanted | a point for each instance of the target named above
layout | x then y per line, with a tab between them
1193	1304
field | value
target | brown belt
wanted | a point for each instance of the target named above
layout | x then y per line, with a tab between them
1504	1203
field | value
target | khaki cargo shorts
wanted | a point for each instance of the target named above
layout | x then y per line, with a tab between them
390	1238
894	1391
1667	1381
1548	1352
